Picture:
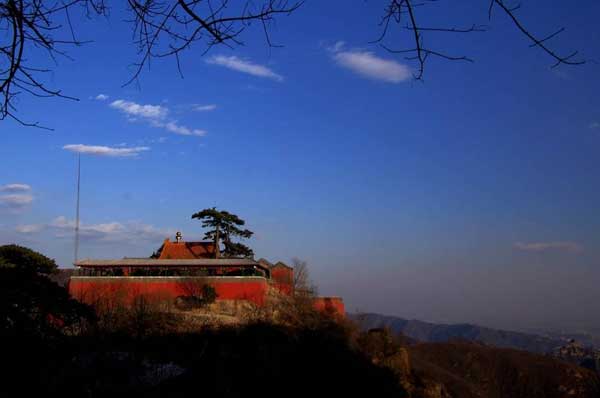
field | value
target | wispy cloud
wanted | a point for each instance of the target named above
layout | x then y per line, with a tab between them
29	228
204	108
133	109
102	97
62	227
99	150
183	130
234	63
15	188
338	46
595	125
16	201
369	65
565	246
155	115
175	128
17	197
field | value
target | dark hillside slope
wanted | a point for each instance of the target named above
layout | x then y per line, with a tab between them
469	370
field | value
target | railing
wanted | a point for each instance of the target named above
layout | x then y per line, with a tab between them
170	271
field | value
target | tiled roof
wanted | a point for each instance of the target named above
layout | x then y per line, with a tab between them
187	250
281	264
265	262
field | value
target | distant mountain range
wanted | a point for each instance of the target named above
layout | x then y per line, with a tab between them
432	332
587	339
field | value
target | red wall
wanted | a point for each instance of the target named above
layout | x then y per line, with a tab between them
282	278
91	289
330	304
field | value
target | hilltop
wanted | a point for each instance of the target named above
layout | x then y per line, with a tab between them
59	346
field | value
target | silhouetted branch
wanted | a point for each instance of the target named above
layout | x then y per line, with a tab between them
537	42
28	25
163	28
397	11
181	23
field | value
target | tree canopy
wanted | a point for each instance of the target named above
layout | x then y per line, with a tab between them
223	227
27	259
30	303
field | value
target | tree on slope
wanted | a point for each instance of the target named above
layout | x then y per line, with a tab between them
303	285
223	227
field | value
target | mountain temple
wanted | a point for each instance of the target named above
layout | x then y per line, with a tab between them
180	268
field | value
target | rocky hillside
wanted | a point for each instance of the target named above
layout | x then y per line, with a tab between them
576	353
469	370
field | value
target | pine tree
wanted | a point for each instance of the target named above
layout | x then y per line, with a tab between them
223	227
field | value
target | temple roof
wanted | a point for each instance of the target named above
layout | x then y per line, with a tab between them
265	262
187	250
281	264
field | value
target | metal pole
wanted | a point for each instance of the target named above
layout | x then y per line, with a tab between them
77	210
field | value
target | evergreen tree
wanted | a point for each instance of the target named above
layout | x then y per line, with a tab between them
223	227
30	303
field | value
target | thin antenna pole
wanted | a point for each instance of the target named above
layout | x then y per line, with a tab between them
77	209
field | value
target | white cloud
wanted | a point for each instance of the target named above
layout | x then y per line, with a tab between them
105	150
369	65
62	222
15	188
173	127
29	228
15	201
102	97
204	108
595	125
566	246
244	66
138	110
156	116
114	231
338	46
103	231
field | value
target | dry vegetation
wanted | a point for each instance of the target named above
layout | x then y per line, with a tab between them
232	349
475	370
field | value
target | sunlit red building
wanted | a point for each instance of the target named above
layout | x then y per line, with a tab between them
180	268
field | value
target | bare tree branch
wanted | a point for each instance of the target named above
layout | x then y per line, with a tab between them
397	11
164	28
28	26
182	23
537	42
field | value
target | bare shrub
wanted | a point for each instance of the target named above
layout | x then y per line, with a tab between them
196	294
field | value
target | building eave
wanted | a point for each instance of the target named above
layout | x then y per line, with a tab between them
150	262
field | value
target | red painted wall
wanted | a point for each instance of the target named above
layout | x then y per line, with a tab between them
91	289
330	304
282	278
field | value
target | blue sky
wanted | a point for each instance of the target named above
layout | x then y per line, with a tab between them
469	197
